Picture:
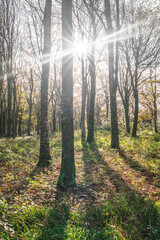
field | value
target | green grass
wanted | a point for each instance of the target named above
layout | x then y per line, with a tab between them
116	198
127	217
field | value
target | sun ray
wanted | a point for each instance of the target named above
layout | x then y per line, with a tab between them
82	48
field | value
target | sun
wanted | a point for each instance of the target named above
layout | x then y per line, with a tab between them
81	49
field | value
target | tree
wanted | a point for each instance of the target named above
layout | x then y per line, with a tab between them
14	114
1	77
141	51
84	95
55	95
67	173
9	11
150	95
106	95
113	76
81	16
124	88
45	157
92	69
113	57
30	102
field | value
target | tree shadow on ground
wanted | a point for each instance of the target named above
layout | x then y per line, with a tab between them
135	165
104	207
76	214
124	208
24	182
37	169
58	216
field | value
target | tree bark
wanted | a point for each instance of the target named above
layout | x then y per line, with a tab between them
4	118
1	83
38	117
9	106
88	101
54	119
1	100
67	173
83	107
59	122
90	137
107	106
126	108
14	130
136	110
2	133
30	103
155	106
45	157
4	123
113	83
20	123
1	118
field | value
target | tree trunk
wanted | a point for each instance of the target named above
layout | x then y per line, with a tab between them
83	108
155	107
107	106
1	105
113	100
4	123
14	110
54	119
114	122
45	157
136	110
16	121
1	83
59	122
67	173
20	124
126	108
125	101
9	106
88	105
155	121
113	83
1	119
4	118
30	103
90	137
38	119
29	119
19	127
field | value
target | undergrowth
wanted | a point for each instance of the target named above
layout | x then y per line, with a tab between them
117	195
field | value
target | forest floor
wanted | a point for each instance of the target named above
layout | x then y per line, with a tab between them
117	195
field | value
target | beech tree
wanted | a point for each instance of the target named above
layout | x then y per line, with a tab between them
8	18
113	74
67	173
1	76
45	157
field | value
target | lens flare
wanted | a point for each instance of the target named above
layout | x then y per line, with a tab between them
80	48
